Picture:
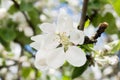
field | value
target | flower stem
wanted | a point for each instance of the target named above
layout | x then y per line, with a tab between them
83	15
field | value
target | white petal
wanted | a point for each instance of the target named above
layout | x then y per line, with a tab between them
37	37
57	58
77	36
47	28
40	60
36	45
75	56
64	23
39	40
45	41
51	41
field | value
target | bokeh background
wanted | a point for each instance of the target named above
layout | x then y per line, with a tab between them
19	20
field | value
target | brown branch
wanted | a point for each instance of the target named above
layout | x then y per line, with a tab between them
7	66
27	19
101	29
83	15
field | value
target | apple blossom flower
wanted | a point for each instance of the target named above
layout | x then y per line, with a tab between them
58	43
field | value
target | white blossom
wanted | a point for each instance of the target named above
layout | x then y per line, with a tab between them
3	13
18	17
57	44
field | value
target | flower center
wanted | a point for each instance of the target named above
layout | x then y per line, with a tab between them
64	40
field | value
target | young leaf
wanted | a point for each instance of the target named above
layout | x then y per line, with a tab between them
66	78
26	71
87	23
79	70
116	5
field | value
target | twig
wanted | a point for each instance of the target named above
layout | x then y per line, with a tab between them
83	15
27	19
7	66
101	29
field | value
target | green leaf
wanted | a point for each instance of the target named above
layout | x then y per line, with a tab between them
22	38
12	9
87	23
26	71
97	19
34	18
25	6
66	78
96	5
116	5
38	74
5	44
109	18
87	47
112	28
7	34
79	70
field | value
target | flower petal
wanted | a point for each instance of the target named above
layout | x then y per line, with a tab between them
75	56
37	37
51	41
45	41
35	45
57	58
48	28
64	23
40	60
39	40
77	36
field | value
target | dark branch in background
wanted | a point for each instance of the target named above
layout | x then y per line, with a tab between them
27	19
83	15
101	29
7	66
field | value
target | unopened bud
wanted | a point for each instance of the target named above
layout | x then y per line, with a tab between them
101	29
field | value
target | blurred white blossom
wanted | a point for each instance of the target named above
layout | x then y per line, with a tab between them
26	29
6	4
97	72
108	71
3	13
16	50
73	2
18	17
113	60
